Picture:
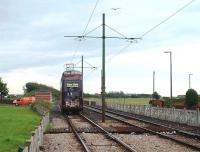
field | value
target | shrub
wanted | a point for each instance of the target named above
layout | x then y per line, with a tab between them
155	95
191	98
42	107
179	100
167	102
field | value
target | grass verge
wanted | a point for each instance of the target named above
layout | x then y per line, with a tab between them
129	101
16	124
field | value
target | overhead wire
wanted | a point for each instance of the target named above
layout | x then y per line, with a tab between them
92	67
116	31
88	63
81	37
124	37
119	52
92	30
169	17
107	37
150	30
78	45
145	33
78	62
89	73
108	60
95	6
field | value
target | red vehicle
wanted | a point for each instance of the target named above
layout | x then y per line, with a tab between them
25	100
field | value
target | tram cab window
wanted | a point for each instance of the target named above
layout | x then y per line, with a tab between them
72	94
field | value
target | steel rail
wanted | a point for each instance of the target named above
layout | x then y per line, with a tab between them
86	149
148	130
146	121
123	144
160	125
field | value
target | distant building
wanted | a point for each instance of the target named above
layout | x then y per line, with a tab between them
43	96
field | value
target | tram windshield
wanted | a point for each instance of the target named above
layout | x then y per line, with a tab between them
72	91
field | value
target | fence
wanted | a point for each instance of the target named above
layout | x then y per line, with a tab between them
190	117
6	101
32	145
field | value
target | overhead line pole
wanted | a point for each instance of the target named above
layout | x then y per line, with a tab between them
103	37
103	71
170	53
171	75
189	81
82	76
153	81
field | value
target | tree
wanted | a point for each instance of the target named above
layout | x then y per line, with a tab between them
115	94
191	98
3	89
155	95
31	87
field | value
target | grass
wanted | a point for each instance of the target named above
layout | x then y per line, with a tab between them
133	101
16	124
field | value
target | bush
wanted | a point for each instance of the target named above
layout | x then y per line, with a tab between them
167	102
155	95
178	100
191	98
42	107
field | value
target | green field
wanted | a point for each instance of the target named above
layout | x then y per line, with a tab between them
16	124
132	101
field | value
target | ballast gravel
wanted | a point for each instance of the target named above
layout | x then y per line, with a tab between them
59	122
65	142
151	143
99	143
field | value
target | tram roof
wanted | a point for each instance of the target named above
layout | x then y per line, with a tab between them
70	72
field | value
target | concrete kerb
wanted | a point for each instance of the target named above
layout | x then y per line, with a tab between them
198	117
32	144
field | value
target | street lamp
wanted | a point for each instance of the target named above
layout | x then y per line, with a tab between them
189	79
170	73
153	81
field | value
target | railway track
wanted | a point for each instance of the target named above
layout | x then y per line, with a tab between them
170	128
112	142
59	137
79	133
182	137
181	128
80	139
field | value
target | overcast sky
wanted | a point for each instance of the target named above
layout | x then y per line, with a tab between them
33	47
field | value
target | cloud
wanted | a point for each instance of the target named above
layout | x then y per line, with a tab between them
4	14
51	20
132	70
20	45
33	47
16	79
